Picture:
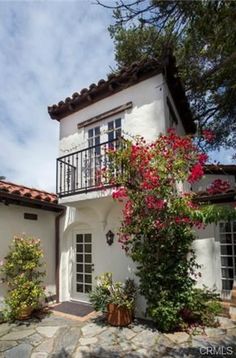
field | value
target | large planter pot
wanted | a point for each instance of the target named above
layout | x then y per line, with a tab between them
25	313
118	316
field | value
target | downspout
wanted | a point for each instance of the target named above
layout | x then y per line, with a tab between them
57	251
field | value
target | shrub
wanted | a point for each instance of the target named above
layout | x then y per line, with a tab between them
21	272
118	293
99	296
202	307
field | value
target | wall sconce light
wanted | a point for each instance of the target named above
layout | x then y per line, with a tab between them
110	237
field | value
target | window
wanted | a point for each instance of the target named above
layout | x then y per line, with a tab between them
114	132
94	138
228	253
114	129
93	160
173	121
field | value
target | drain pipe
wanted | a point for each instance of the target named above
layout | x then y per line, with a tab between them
57	251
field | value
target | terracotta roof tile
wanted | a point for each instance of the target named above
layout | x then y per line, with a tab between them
24	191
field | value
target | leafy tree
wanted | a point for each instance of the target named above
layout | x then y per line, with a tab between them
202	34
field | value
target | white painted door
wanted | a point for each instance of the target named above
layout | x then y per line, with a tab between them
82	266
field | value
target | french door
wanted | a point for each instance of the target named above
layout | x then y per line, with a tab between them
228	254
82	279
97	158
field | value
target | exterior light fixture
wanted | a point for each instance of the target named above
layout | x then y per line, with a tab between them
110	237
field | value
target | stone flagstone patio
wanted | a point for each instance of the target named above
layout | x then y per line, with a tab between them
59	337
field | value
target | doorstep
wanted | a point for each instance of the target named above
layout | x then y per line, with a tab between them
79	311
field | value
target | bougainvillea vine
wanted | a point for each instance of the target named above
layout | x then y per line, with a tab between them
159	215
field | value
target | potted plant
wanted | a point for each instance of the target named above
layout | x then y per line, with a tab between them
21	271
117	299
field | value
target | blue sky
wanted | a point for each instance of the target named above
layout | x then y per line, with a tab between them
49	49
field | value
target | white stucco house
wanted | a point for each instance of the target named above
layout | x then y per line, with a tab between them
145	99
34	213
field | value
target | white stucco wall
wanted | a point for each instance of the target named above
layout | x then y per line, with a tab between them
12	223
96	217
96	212
146	116
207	249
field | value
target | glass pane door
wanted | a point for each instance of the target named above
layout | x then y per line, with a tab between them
83	264
93	160
228	254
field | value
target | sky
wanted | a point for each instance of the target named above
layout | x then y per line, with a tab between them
49	50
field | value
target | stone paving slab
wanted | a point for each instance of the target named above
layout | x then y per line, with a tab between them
54	337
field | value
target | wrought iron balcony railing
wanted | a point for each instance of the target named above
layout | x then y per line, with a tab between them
81	171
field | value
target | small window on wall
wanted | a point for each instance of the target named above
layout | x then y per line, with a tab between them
30	216
172	119
228	253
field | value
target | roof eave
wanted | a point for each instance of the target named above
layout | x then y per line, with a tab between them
8	198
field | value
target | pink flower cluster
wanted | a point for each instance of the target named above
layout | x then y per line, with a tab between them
119	194
218	186
196	173
154	203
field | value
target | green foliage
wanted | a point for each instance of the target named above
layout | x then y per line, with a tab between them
166	313
21	272
202	35
99	296
214	213
122	295
203	306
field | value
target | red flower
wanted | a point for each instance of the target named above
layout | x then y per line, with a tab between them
119	194
196	173
184	220
153	203
202	157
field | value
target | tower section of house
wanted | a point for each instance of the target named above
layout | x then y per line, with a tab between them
215	246
145	99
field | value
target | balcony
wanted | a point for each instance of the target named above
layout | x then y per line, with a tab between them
80	172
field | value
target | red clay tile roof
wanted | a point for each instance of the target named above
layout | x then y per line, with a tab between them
31	193
127	77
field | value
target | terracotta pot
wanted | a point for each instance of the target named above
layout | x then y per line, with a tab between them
25	313
118	316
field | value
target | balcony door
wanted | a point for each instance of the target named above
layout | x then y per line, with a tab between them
94	159
107	132
82	276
